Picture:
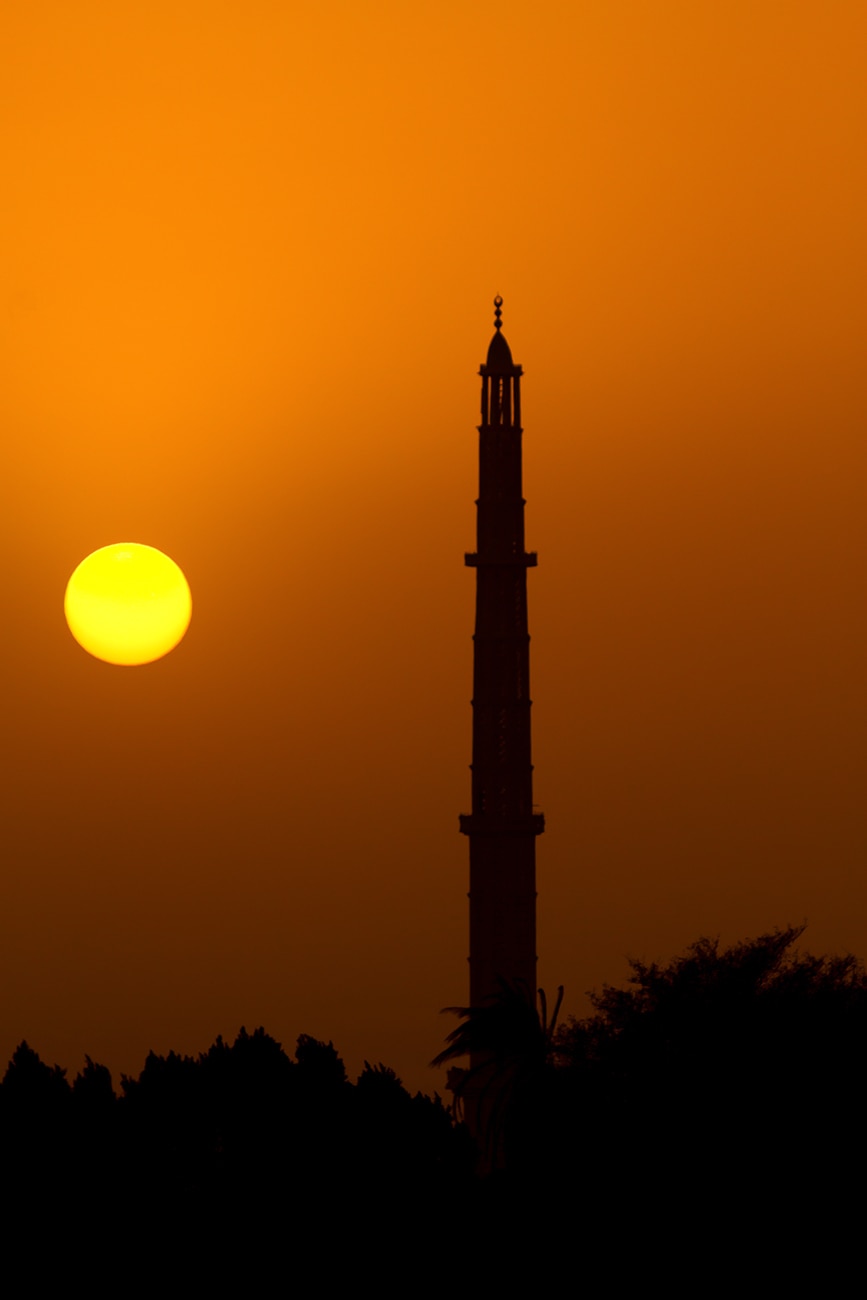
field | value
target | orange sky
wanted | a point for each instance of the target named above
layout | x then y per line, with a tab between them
248	257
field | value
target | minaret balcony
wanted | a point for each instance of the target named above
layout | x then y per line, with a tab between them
533	824
528	560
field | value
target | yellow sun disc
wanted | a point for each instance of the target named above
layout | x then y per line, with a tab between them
128	604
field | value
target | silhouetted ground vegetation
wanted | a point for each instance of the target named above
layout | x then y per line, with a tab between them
708	1117
712	1110
241	1155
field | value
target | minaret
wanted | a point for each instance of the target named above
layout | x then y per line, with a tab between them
502	827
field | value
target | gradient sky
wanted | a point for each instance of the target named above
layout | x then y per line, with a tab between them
248	257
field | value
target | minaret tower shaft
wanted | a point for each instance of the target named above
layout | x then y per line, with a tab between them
502	827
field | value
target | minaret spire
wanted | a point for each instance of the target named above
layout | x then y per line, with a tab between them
502	827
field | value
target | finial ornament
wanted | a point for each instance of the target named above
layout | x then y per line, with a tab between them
498	311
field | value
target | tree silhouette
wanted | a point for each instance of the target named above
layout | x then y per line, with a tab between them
731	1081
92	1087
36	1139
29	1081
510	1045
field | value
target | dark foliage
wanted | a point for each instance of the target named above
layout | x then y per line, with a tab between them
242	1148
755	1042
712	1110
725	1090
509	1047
715	1104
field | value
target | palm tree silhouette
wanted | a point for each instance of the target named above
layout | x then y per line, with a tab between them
510	1044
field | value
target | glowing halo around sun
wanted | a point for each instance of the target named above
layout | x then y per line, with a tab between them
128	604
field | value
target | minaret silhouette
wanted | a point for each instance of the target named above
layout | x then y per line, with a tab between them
502	827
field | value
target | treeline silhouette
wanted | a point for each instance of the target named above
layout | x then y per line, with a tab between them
755	1047
716	1103
710	1115
243	1143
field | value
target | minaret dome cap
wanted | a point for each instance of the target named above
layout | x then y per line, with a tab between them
499	353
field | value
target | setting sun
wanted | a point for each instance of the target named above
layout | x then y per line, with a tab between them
128	604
